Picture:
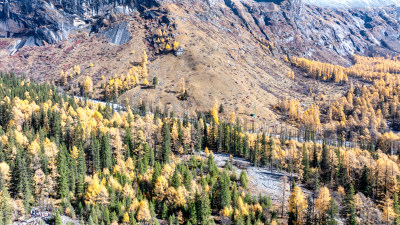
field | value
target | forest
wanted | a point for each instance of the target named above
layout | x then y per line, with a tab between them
148	165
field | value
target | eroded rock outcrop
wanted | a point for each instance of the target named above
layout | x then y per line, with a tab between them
293	27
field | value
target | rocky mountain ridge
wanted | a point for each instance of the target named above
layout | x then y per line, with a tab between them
352	3
291	25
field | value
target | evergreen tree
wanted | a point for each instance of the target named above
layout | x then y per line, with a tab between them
95	153
58	220
332	212
243	179
325	164
63	170
166	144
105	155
225	193
5	207
310	211
315	157
205	209
176	180
365	186
306	165
192	213
164	213
81	172
199	139
396	206
348	210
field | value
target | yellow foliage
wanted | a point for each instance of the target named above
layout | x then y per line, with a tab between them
227	211
323	200
88	85
145	82
93	191
214	113
144	213
160	187
175	45
297	204
125	218
75	152
5	171
77	70
167	47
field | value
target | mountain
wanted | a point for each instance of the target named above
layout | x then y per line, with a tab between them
353	3
233	50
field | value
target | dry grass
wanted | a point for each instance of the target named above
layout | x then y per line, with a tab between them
222	61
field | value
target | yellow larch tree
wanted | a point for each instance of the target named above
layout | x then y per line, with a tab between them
77	70
88	85
322	202
214	112
93	190
297	205
143	214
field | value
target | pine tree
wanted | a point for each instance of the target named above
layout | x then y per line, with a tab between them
5	207
332	212
204	209
396	206
58	220
81	172
63	170
325	164
315	157
243	179
95	153
348	210
166	144
306	165
105	155
192	213
365	182
164	213
310	211
225	193
176	180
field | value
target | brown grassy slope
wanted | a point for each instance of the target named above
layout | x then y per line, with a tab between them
222	61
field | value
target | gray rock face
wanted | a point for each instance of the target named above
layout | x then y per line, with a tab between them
52	21
118	34
295	28
323	33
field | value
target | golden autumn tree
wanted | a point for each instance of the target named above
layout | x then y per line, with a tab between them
322	202
145	82
214	113
77	70
88	85
297	206
143	214
167	47
175	45
93	190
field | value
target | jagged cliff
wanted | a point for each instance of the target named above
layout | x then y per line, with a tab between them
293	27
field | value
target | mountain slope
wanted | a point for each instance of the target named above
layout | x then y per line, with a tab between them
352	3
233	49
